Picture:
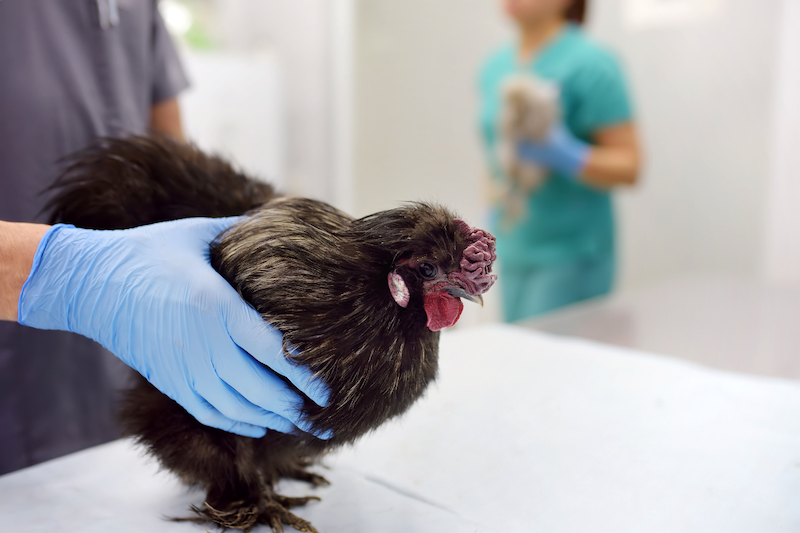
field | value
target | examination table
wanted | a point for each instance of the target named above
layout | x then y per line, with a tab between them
523	432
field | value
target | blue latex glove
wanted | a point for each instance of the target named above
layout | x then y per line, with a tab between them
561	152
150	296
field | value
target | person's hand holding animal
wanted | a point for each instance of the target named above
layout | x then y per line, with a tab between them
534	134
560	152
533	143
151	296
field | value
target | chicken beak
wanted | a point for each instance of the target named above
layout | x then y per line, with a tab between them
458	292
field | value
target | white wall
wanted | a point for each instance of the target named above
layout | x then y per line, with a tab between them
782	254
343	24
294	38
300	32
704	94
704	99
241	120
415	92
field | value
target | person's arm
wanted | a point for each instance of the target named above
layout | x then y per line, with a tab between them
165	118
18	243
151	297
615	159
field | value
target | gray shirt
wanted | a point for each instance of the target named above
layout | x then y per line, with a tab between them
67	76
70	71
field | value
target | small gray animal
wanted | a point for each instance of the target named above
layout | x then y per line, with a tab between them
530	110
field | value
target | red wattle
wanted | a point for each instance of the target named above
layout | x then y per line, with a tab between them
443	310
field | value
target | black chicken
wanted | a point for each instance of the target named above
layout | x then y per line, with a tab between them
361	300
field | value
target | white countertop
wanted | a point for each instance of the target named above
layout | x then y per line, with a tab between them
726	323
113	488
523	432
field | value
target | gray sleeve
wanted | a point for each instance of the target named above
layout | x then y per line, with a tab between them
168	77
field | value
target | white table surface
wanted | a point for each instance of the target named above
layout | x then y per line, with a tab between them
723	322
523	432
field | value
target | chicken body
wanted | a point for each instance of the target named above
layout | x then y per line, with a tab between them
361	300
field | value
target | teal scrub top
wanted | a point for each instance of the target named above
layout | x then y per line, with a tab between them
566	220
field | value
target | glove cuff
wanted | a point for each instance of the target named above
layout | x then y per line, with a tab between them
26	306
574	157
562	153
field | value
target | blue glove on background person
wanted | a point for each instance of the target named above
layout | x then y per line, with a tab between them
150	296
561	152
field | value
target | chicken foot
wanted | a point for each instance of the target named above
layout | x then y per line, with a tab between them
272	510
301	474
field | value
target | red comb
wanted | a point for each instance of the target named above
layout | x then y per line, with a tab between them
476	261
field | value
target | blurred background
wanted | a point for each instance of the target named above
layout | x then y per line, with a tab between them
369	103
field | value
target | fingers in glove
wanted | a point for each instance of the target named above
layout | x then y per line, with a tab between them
236	407
207	415
262	388
265	344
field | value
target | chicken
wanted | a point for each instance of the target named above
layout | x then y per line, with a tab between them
362	300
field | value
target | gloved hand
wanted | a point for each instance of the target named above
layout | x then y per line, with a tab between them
561	152
150	296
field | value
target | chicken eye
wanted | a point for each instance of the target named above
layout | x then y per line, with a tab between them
427	270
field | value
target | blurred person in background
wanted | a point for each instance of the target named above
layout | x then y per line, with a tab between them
72	72
560	249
